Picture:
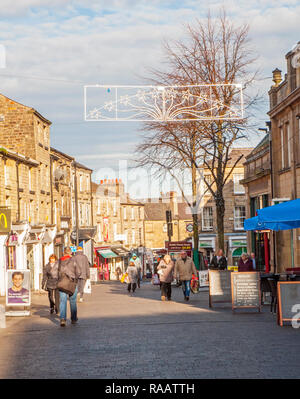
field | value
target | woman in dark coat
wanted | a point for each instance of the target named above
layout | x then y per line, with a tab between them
245	264
49	283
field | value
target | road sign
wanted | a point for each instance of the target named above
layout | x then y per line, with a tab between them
189	227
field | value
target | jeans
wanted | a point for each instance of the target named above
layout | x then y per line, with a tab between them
63	305
81	284
186	287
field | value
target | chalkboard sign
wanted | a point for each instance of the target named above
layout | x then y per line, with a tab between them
245	288
219	286
288	296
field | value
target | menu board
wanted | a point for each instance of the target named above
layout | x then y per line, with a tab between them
219	286
245	290
288	301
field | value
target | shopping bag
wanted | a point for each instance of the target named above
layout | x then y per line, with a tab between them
87	287
123	278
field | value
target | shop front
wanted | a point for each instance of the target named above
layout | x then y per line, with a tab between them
107	262
123	259
86	241
237	247
207	244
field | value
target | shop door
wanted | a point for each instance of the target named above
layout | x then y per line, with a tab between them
260	251
30	264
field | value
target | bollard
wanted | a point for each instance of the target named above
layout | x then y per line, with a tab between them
2	317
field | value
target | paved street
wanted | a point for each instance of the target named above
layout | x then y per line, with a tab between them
119	336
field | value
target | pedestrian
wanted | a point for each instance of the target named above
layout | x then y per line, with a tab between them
166	270
84	266
136	260
245	264
219	261
185	268
68	266
132	277
49	283
253	258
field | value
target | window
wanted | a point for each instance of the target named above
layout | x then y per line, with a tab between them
207	218
115	227
288	145
30	178
132	213
133	236
80	183
115	207
282	147
237	187
73	213
80	214
125	216
98	206
140	236
99	232
239	217
126	237
87	214
107	207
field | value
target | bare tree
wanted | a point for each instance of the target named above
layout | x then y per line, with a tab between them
214	51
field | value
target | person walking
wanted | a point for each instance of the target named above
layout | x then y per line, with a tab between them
68	266
132	277
245	264
49	283
185	268
252	256
84	266
219	261
137	263
165	270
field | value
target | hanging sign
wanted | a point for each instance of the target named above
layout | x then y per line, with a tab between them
5	220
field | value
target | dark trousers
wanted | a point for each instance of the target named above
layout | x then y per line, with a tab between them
131	286
166	290
53	295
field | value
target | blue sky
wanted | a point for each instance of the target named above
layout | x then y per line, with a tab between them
54	47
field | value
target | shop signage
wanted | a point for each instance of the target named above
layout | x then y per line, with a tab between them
219	286
189	227
245	288
18	288
289	302
5	220
177	246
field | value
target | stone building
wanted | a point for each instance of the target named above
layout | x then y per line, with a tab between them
258	190
120	226
235	212
284	115
36	181
156	232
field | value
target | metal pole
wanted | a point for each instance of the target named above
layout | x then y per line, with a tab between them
76	205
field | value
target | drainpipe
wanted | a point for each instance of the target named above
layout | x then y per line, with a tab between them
18	188
272	192
51	187
92	217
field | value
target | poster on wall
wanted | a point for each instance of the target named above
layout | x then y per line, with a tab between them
203	278
18	288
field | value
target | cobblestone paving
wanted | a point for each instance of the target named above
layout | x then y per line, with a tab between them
119	336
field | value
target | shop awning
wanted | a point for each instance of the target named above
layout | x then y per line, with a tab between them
239	251
107	253
120	251
284	216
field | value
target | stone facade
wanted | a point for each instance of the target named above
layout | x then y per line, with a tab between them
257	183
284	115
235	212
36	186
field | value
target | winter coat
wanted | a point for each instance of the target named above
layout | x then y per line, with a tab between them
69	267
137	262
185	269
245	266
132	274
220	264
84	265
50	276
167	269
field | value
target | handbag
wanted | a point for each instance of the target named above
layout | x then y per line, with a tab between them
66	284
